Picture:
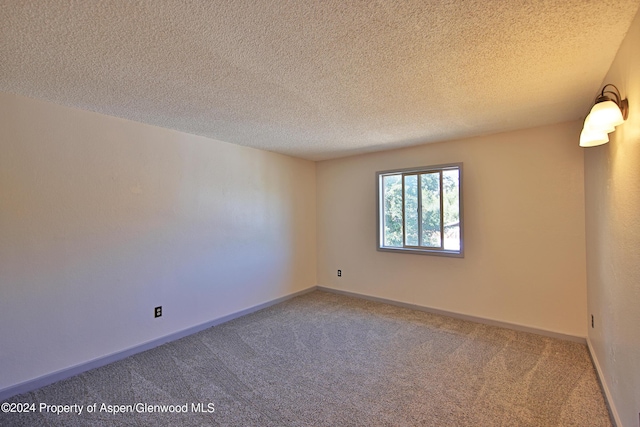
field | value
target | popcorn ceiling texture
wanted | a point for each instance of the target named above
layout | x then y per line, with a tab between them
316	79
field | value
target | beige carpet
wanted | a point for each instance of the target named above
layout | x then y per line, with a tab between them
329	360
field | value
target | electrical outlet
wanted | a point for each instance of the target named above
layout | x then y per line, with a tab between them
339	273
592	323
157	311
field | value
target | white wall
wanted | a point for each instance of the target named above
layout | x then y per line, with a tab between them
612	190
102	219
524	230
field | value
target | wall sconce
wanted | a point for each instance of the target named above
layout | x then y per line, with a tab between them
609	111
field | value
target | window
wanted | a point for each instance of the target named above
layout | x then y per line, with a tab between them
420	210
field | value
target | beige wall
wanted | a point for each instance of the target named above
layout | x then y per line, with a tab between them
524	230
612	190
102	219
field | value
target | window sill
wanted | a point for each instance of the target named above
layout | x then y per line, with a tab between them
453	254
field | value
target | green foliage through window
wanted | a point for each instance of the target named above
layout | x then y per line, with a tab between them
420	209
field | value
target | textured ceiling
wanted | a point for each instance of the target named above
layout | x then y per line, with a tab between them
316	79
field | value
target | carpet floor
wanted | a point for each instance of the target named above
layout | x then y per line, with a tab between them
323	359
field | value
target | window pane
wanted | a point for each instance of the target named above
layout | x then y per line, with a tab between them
420	210
430	188
451	187
392	215
411	209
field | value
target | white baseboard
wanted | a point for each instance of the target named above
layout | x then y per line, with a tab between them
605	388
62	374
491	322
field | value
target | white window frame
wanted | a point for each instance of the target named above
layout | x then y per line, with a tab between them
418	249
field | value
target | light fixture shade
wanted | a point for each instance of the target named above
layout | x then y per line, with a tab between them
592	138
610	110
605	115
590	125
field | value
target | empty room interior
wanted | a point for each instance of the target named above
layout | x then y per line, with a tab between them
320	213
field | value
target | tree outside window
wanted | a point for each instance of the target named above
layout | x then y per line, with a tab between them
420	210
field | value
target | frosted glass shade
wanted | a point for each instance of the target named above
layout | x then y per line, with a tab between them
592	126
591	138
605	115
